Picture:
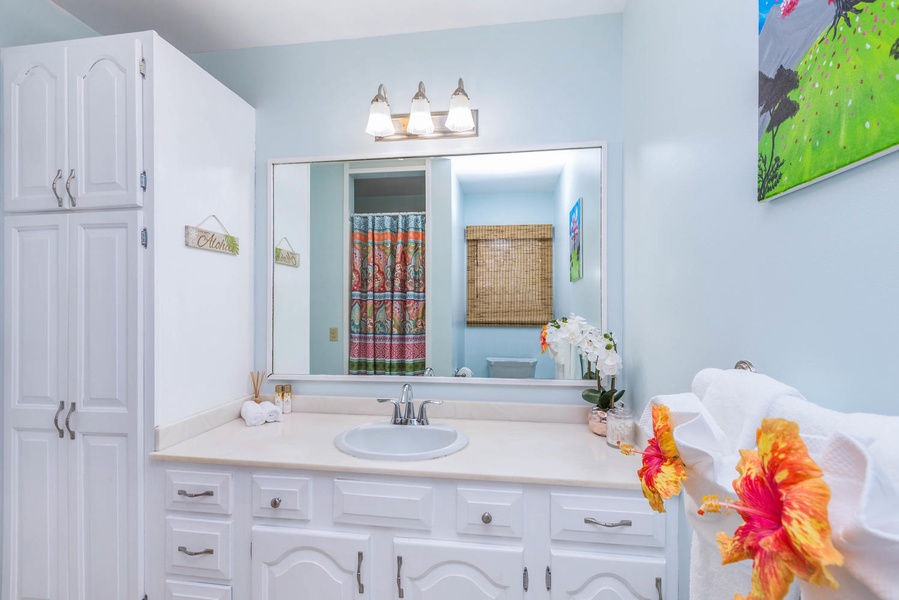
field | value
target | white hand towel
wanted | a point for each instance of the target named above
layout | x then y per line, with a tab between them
271	413
252	414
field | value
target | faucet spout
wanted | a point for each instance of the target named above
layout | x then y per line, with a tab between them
408	406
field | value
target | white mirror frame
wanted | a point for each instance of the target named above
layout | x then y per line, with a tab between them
546	391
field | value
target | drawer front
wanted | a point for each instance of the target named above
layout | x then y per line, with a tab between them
606	519
189	590
383	504
282	497
198	491
489	512
198	547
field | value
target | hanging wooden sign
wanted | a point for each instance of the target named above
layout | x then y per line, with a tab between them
286	257
195	237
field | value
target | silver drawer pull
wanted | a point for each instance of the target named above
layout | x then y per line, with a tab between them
68	418
359	558
486	518
62	405
621	523
187	494
275	503
659	587
55	193
399	577
184	550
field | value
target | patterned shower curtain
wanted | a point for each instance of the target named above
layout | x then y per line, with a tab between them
387	295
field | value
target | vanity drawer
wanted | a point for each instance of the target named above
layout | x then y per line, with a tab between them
282	497
383	504
198	547
618	520
190	590
198	491
489	512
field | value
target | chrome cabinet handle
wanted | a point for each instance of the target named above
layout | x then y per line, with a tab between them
69	416
659	587
359	573
184	550
486	518
55	193
525	580
62	405
275	503
549	579
621	523
69	187
187	494
399	577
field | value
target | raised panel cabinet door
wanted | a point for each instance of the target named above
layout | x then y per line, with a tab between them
105	123
102	418
301	564
34	128
430	570
597	576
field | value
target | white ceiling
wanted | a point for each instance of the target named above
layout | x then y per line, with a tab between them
211	25
516	172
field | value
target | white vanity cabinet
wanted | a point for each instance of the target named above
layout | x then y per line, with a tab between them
367	536
82	319
73	120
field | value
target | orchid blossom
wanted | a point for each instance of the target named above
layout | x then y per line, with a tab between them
783	502
663	470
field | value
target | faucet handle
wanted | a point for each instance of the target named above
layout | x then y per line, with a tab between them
423	414
397	416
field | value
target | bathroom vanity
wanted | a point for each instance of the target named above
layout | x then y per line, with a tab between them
528	510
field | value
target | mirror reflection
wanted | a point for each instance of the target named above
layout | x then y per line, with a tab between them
445	266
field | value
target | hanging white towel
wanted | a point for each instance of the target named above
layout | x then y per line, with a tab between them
252	414
270	412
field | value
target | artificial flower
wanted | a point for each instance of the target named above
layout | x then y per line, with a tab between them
783	502
543	343
663	470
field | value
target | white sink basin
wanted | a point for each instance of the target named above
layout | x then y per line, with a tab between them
383	441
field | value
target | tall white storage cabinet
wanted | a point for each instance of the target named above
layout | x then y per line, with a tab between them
111	325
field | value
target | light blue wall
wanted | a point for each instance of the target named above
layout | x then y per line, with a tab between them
513	208
806	286
553	82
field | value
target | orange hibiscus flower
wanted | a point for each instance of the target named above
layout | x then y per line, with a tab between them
663	470
783	503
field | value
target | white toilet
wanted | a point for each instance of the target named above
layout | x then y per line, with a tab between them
511	368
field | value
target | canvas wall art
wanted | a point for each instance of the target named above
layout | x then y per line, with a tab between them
828	89
574	245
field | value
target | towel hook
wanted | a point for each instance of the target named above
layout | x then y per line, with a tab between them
745	365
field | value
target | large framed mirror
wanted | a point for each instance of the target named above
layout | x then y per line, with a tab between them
478	251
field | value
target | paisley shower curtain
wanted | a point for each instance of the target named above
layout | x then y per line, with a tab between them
387	295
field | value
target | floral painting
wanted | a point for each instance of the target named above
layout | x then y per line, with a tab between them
574	246
828	88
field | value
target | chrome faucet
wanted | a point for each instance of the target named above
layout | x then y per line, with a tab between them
404	409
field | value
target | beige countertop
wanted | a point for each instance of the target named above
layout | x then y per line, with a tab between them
550	453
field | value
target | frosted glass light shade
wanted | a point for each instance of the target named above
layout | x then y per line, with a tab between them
379	122
459	118
420	122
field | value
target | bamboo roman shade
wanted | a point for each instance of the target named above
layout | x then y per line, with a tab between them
510	275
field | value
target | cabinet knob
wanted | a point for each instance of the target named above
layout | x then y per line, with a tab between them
276	502
486	518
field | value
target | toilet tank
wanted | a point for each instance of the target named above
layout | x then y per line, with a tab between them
511	368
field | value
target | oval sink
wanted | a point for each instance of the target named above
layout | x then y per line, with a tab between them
384	441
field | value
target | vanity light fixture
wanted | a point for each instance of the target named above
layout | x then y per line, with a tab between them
421	123
379	122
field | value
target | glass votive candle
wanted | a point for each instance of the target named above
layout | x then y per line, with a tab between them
619	427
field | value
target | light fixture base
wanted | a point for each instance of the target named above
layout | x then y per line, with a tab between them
440	129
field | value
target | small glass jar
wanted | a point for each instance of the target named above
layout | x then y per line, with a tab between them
619	426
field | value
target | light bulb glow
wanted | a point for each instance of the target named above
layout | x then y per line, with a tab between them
459	118
380	124
420	122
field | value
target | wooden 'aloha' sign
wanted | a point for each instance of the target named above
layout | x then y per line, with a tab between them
286	257
195	237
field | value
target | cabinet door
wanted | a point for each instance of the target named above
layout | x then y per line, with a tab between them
105	121
299	564
102	428
595	576
428	570
34	392
34	131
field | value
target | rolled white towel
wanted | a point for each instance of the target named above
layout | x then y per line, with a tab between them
252	413
270	412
